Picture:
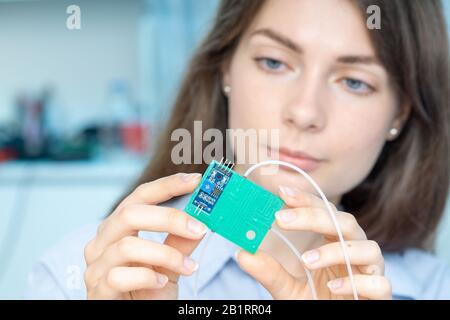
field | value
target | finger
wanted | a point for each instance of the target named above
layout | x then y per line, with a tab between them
318	220
163	189
152	193
373	269
271	274
361	253
296	198
370	287
185	246
137	217
121	280
142	252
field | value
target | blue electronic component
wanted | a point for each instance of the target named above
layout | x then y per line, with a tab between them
212	187
208	187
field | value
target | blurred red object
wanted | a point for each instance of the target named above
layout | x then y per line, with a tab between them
7	154
135	137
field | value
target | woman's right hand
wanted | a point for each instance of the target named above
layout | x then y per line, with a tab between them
120	265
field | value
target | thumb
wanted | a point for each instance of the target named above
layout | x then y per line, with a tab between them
271	274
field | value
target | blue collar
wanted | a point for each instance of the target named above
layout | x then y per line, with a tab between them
217	254
404	285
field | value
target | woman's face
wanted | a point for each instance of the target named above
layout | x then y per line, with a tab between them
308	69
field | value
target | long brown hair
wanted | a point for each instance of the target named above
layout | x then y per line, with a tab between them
401	202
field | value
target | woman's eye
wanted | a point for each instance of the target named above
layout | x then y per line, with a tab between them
358	86
271	64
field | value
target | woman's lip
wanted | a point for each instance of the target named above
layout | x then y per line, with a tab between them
301	160
296	154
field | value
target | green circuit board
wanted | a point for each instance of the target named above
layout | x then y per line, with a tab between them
233	206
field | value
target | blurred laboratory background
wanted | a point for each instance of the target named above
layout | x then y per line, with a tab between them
80	110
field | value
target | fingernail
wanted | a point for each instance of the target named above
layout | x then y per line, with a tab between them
190	264
373	269
236	253
162	278
311	256
290	192
286	215
196	227
335	284
187	177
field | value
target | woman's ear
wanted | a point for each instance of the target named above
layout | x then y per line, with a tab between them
400	120
225	69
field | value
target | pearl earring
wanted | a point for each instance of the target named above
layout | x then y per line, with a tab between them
226	89
393	132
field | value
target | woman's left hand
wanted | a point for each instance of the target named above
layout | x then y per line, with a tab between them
308	213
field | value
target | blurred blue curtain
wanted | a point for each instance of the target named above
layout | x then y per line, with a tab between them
169	32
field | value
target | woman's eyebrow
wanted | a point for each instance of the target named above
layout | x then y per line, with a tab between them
358	59
278	37
285	41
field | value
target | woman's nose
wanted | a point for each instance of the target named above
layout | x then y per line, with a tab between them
304	110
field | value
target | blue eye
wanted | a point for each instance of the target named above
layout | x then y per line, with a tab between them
270	64
273	64
357	85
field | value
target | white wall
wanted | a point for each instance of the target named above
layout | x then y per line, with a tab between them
37	49
42	202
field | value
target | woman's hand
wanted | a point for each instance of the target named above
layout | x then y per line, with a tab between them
120	265
308	213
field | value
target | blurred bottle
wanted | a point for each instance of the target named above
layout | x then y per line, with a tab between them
8	130
124	129
30	115
135	135
120	105
55	118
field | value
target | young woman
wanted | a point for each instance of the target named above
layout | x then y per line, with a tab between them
364	110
